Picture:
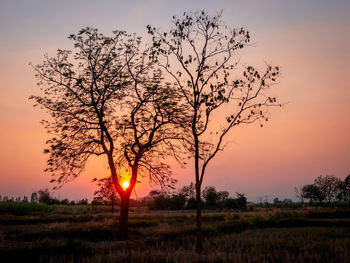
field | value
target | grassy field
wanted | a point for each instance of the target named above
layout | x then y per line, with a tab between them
89	234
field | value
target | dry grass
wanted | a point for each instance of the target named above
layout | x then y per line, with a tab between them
264	235
261	245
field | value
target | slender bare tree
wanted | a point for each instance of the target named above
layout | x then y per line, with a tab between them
153	125
198	53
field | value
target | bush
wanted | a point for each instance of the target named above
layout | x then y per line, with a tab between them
177	202
191	203
164	202
236	203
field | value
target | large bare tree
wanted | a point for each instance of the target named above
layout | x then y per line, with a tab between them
198	52
109	101
82	92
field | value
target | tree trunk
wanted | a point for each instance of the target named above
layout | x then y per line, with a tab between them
124	203
124	215
199	241
112	205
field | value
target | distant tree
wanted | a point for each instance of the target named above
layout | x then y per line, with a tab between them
236	203
287	201
5	199
344	193
44	196
83	201
214	199
266	199
222	196
242	200
210	197
160	202
329	186
346	189
0	198
188	191
25	199
106	192
198	53
276	200
299	194
34	197
192	203
154	193
312	192
177	202
231	203
65	201
260	199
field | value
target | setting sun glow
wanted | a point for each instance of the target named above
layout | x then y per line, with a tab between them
125	184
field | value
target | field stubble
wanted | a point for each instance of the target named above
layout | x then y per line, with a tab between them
88	235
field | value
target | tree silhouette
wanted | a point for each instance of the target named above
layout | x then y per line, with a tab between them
106	192
188	191
34	197
299	193
152	125
214	199
312	192
329	186
44	196
83	97
345	189
198	53
112	102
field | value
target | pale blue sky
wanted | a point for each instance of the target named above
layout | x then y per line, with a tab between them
35	22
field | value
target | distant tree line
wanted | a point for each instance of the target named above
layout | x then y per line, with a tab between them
184	198
284	201
45	197
326	189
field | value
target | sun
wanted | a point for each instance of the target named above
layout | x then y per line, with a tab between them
125	184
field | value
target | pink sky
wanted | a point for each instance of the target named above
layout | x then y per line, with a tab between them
306	138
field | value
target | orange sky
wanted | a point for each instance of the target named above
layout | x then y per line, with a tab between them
308	137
